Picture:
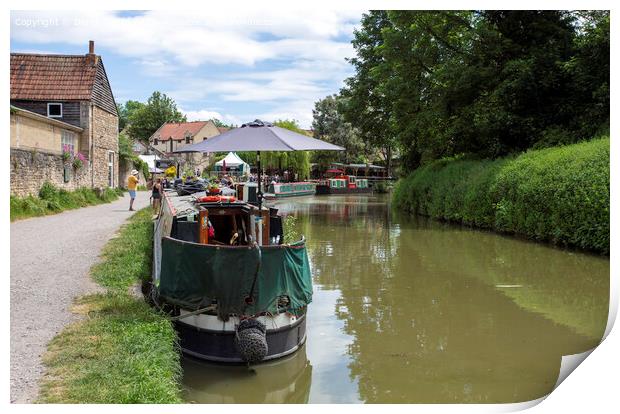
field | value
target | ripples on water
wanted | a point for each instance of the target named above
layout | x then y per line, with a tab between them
410	310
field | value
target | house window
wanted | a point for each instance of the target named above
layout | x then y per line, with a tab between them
111	169
188	139
155	141
68	141
54	110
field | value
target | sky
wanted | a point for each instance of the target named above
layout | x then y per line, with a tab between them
232	65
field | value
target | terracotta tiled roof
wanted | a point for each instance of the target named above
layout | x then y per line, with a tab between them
178	130
223	129
52	77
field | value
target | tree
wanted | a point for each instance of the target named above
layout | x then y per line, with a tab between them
442	83
147	119
125	111
329	125
367	100
218	123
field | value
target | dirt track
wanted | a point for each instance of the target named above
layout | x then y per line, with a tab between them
50	261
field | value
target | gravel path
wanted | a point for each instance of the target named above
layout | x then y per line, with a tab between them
50	261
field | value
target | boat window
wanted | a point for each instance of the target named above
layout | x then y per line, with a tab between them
230	227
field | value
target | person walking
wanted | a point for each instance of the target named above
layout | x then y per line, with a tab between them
156	195
132	186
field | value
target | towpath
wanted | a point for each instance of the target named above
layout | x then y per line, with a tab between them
50	261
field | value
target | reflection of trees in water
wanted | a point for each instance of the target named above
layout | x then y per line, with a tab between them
570	288
429	324
282	381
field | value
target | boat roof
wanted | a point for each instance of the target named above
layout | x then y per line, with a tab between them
183	206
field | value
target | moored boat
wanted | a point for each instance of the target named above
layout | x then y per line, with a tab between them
343	184
236	292
282	190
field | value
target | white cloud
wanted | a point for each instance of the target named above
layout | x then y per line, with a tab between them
205	114
195	37
308	48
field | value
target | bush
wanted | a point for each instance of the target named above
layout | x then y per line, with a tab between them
53	200
558	194
381	188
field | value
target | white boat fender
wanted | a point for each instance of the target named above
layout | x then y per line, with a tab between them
251	340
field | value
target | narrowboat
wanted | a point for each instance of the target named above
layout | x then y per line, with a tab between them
343	184
235	291
281	190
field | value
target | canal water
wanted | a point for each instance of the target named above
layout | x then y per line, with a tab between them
409	310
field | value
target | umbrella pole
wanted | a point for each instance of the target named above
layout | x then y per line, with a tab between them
259	193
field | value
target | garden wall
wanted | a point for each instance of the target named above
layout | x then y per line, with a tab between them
31	168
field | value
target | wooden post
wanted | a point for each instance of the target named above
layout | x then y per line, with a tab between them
203	222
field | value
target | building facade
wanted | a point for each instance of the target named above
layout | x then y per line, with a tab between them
172	136
62	103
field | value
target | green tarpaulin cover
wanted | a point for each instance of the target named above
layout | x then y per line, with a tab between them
194	275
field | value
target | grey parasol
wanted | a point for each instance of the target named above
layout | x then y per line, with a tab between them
260	136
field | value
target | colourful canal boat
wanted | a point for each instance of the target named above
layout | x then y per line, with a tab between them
343	184
282	190
235	292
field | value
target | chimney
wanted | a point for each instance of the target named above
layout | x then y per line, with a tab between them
91	58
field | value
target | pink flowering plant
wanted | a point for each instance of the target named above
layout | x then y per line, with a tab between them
79	160
66	153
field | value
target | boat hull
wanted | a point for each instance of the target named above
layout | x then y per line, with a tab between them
325	190
219	345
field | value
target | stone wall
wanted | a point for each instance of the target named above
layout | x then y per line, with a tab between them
105	136
125	168
31	168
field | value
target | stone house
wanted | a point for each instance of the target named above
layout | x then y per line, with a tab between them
175	135
62	103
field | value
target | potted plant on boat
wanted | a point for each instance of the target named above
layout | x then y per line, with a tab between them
213	189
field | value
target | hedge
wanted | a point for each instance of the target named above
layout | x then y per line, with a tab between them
558	194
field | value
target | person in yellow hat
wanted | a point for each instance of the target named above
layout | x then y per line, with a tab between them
132	185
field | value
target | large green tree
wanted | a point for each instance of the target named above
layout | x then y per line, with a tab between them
125	111
367	104
329	125
440	83
146	119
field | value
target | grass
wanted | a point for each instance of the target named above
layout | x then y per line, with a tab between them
560	194
123	351
52	200
127	258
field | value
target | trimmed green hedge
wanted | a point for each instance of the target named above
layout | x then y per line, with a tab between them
558	194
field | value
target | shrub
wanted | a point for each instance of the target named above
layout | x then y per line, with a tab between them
381	188
52	200
558	194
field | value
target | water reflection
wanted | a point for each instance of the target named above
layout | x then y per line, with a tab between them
410	310
440	313
283	381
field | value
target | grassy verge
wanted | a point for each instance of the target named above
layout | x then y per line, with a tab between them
52	200
556	194
123	351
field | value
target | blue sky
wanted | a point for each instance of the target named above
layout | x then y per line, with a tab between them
232	65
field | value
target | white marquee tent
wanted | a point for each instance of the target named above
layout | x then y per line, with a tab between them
232	160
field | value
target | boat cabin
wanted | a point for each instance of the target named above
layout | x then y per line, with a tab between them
223	222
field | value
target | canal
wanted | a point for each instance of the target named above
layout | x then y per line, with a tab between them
409	310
